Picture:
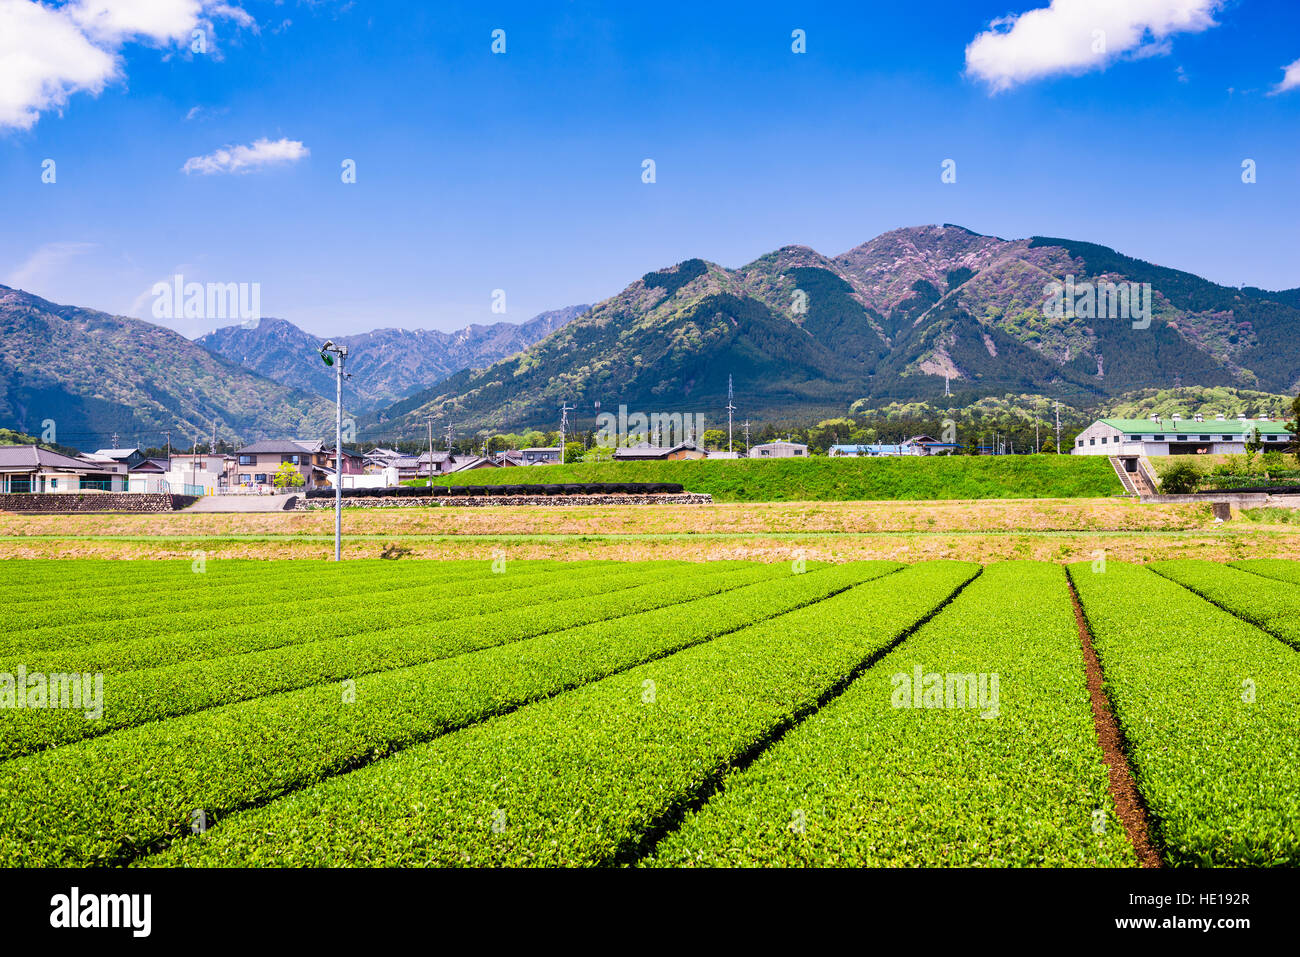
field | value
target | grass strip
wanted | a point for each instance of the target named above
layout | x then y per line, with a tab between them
585	777
971	744
1210	707
111	798
842	479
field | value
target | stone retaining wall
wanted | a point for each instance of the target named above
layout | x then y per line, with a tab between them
481	501
61	503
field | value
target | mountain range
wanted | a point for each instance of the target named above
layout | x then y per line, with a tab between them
386	364
90	375
94	375
902	317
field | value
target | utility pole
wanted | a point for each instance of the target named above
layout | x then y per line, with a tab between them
1036	447
747	437
448	434
430	421
327	354
114	440
947	390
731	408
1057	405
565	409
168	433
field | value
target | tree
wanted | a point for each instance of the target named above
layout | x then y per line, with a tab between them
1049	447
574	452
714	439
287	476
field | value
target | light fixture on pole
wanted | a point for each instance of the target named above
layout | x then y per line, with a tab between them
328	352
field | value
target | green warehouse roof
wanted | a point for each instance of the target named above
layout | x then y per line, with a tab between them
1188	426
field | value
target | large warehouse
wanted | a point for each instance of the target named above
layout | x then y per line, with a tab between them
1177	436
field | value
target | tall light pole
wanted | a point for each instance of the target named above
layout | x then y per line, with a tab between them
565	409
327	354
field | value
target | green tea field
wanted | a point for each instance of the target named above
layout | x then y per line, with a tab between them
657	713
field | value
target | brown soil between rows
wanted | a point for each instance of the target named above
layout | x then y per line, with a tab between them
1129	806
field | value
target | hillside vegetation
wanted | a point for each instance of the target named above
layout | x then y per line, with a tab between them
821	479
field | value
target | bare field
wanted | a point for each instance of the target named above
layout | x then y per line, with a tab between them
770	517
1042	530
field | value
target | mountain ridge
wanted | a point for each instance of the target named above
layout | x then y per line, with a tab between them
92	374
898	318
387	364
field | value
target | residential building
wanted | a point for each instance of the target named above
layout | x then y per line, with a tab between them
128	457
256	464
1177	436
354	463
778	450
541	455
28	468
508	457
464	463
645	452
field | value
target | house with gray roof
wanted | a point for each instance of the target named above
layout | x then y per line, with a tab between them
256	464
29	468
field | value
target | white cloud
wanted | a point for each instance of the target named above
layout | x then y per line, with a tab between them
114	21
44	59
1075	36
48	52
1290	79
46	264
246	159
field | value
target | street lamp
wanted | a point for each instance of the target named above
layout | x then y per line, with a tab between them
327	353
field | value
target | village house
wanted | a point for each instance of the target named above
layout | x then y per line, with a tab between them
256	464
541	455
645	452
28	468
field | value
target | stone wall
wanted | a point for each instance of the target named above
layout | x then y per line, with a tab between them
70	502
482	501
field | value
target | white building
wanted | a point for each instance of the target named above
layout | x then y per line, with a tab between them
1177	436
778	450
28	468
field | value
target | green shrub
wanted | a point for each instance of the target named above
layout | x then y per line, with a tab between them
1181	479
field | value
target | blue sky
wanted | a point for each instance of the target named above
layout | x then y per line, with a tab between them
522	171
